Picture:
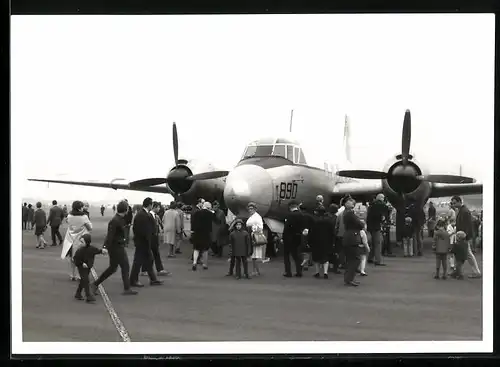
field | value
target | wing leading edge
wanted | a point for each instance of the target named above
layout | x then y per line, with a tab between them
360	191
110	185
441	190
365	190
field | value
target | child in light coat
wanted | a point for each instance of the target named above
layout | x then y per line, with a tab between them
408	237
451	229
441	247
365	250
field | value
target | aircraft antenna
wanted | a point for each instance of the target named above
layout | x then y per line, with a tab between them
291	120
460	174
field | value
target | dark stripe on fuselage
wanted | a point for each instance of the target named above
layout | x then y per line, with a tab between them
273	162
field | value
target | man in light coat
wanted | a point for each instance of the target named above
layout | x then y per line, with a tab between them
171	227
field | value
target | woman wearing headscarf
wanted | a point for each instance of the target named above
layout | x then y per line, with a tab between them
201	233
78	225
321	237
255	227
218	230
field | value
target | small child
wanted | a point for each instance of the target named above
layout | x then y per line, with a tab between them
408	237
451	229
305	250
241	248
84	261
441	247
460	250
365	249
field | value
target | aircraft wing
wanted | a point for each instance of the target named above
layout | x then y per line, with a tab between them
113	185
360	191
441	190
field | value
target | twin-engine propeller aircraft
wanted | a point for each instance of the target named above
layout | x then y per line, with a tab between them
274	171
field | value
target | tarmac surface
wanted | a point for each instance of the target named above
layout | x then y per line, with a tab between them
400	301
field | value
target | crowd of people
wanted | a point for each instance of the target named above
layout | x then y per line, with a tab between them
332	239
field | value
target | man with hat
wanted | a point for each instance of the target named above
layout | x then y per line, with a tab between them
292	233
374	219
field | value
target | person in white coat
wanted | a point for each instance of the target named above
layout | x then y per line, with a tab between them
255	224
171	228
78	225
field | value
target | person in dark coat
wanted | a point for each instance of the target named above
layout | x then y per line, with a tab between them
31	216
201	233
321	237
337	247
241	248
25	216
103	208
128	223
56	217
375	216
155	242
460	250
143	256
431	220
294	226
464	224
195	209
40	219
115	245
305	248
417	216
352	243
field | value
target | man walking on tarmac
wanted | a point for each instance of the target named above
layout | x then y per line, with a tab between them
115	244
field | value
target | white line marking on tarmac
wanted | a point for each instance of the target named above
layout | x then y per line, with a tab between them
112	313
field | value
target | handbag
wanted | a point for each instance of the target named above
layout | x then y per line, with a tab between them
259	239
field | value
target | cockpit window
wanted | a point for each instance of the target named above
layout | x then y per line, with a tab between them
289	152
279	150
250	151
302	159
258	151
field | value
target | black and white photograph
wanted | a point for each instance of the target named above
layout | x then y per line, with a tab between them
252	184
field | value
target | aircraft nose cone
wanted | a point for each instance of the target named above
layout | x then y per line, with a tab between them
245	184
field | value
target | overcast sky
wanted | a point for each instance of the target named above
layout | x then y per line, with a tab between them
94	97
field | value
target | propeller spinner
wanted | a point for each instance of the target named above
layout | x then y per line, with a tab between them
404	169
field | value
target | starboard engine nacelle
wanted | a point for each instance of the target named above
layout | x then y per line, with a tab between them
401	183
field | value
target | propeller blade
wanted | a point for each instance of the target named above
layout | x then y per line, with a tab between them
176	143
363	174
148	182
207	175
406	139
447	179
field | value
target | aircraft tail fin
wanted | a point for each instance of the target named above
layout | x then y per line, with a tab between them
347	139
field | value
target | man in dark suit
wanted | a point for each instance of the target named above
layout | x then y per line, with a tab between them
351	242
25	216
295	223
463	222
155	241
128	223
374	219
337	247
143	256
56	217
115	244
